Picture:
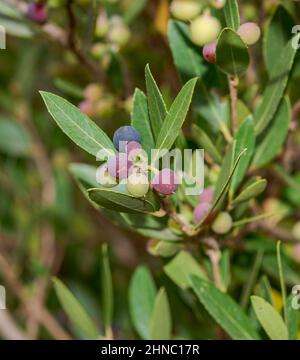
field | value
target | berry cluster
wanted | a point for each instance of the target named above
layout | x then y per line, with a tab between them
129	167
96	101
37	12
222	224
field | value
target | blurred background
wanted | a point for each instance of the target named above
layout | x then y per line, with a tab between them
92	53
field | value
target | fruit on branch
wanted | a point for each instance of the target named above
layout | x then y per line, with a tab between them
93	92
86	107
209	52
133	146
102	25
185	10
124	135
162	248
218	4
104	178
138	184
165	182
204	29
37	12
249	32
207	196
118	166
222	224
201	211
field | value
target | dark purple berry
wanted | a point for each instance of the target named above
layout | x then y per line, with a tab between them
124	135
37	12
165	182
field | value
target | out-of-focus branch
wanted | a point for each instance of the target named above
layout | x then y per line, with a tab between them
44	317
9	329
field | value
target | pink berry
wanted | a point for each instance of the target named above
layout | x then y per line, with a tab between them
249	32
86	107
201	211
165	182
207	196
209	52
37	12
132	145
118	166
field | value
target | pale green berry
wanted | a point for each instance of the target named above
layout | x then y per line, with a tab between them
104	178
102	25
185	10
249	32
119	32
218	4
138	184
296	230
204	29
222	223
162	248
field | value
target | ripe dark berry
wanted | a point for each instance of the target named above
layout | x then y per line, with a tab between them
165	182
37	12
201	212
124	135
118	166
209	52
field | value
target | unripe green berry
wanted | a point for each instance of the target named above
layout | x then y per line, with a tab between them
102	25
104	178
222	223
119	32
162	248
185	10
138	184
205	29
249	32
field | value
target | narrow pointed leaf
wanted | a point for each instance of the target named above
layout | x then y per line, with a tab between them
142	293
275	135
161	322
83	131
156	105
118	199
251	192
176	117
232	15
224	310
269	319
74	310
141	122
204	142
275	88
106	289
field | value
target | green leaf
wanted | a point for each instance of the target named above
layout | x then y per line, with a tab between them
74	310
134	9
161	322
274	91
86	174
269	319
225	270
83	131
156	104
277	34
14	139
175	118
293	318
141	122
181	268
245	139
232	15
106	289
232	53
16	28
275	135
224	310
118	199
281	278
250	192
190	63
10	11
142	293
204	142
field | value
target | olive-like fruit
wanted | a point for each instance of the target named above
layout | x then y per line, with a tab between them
204	29
165	182
185	10
249	32
222	224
